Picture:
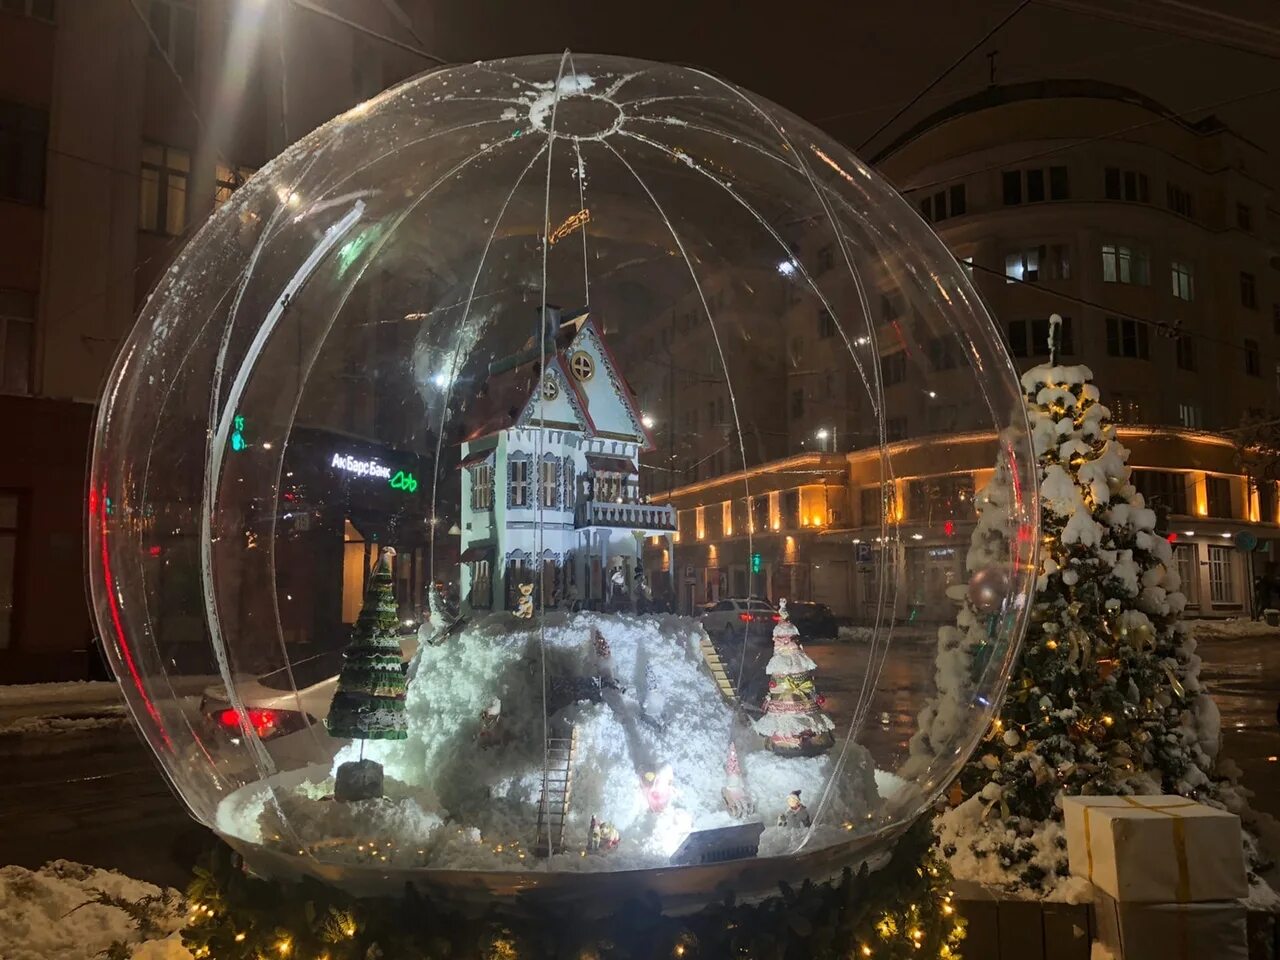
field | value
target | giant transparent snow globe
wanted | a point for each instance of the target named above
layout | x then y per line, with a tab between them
556	466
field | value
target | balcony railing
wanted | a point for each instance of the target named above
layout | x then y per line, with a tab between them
637	516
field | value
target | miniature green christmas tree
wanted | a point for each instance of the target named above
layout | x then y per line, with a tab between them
369	703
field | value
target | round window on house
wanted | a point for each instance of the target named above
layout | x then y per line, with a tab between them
550	389
582	366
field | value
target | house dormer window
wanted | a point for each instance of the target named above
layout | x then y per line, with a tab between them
582	365
550	389
482	486
518	480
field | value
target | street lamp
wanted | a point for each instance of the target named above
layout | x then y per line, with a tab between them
647	420
823	434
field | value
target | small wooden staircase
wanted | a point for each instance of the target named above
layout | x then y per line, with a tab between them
718	673
557	790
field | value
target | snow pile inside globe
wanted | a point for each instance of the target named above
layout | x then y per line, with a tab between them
521	476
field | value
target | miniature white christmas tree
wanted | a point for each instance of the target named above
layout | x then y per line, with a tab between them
794	723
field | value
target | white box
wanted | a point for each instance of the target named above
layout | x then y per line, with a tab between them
1155	849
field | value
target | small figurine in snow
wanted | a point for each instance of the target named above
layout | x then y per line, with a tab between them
655	701
444	618
617	585
609	836
524	603
659	788
593	835
641	595
736	799
604	660
797	814
490	725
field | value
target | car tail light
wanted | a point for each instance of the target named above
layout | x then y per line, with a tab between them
265	722
777	618
745	617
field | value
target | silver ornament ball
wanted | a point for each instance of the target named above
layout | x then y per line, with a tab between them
988	589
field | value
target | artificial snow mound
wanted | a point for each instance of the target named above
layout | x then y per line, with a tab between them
453	803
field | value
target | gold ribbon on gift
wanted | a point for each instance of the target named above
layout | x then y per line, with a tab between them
1182	894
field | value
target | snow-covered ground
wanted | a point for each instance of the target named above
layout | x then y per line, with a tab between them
452	803
70	691
51	914
108	718
1238	628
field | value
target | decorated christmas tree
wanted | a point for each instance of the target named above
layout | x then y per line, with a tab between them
369	703
794	723
1105	698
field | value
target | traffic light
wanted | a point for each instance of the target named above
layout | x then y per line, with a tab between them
237	434
757	563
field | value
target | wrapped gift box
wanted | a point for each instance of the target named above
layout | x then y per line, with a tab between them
1155	849
1171	931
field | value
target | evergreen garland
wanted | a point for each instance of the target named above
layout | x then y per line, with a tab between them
903	910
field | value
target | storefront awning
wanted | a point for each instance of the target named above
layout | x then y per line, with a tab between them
472	554
598	461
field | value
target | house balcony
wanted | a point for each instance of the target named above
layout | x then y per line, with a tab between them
649	517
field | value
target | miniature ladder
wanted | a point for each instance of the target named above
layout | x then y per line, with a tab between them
557	786
716	666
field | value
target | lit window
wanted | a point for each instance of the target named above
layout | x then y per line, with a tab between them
1189	416
1122	263
1183	281
163	192
227	180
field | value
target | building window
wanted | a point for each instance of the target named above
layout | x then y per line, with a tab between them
1218	496
1127	338
1183	280
1122	263
518	488
1266	500
1125	408
9	515
956	195
1179	200
1030	338
893	368
1162	488
1059	186
826	260
23	133
1244	217
1222	588
890	306
481	585
876	504
17	340
1045	262
1248	291
36	9
941	352
1184	555
943	204
895	428
174	24
1186	350
826	325
790	509
1127	185
163	193
1252	358
482	487
938	499
227	180
1189	416
549	482
1030	184
797	403
760	513
1011	182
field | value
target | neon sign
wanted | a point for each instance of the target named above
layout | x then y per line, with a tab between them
401	480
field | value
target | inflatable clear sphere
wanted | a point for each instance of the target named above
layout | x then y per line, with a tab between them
563	465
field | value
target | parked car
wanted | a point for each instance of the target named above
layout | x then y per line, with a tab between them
741	630
277	703
814	621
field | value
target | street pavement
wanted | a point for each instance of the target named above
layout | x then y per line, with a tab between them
102	800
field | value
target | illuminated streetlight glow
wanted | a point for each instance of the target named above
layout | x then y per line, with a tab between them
647	420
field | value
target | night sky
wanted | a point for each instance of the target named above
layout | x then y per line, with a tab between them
849	66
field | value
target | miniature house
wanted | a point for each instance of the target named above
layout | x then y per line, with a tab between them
550	482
